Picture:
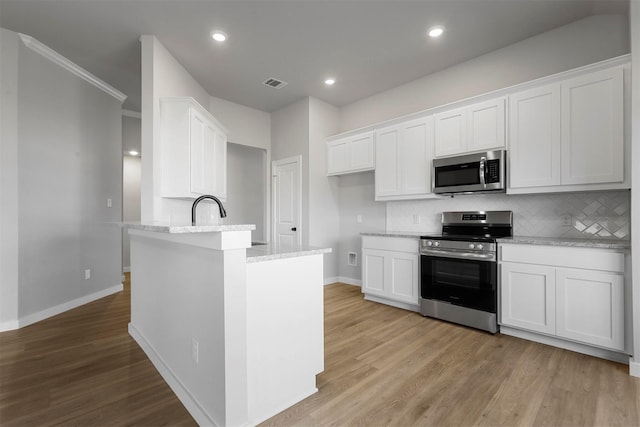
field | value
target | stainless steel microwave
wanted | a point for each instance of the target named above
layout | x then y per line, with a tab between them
470	173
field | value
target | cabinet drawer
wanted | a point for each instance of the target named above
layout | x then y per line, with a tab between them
562	256
399	244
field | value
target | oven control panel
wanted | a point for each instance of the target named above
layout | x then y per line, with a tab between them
456	245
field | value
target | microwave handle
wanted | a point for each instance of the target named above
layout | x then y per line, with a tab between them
483	166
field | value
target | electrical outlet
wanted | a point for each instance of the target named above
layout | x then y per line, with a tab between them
352	258
416	219
195	349
567	220
87	274
109	203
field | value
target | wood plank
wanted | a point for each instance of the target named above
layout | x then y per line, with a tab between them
383	366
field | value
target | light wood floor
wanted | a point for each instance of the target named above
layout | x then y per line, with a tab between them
383	366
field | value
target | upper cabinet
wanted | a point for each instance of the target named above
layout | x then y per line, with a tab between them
351	154
475	127
194	150
403	160
569	135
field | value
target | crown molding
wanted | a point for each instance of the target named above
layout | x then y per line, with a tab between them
130	113
56	58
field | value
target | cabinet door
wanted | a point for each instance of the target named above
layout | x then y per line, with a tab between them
451	132
201	148
416	151
403	277
534	137
219	170
361	153
373	272
387	174
590	307
592	128
208	158
528	297
337	157
486	127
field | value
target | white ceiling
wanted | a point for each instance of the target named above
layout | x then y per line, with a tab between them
368	46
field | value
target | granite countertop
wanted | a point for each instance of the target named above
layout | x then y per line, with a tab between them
408	234
270	252
185	229
561	241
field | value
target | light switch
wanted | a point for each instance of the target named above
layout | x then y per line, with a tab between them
109	203
359	219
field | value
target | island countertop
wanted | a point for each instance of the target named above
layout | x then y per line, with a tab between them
270	252
161	227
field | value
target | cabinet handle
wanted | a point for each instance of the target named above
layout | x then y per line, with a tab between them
294	229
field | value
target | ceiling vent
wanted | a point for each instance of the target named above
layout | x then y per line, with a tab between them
274	83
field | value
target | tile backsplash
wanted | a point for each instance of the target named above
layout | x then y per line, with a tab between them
586	215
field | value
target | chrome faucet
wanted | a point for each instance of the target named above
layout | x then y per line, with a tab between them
223	213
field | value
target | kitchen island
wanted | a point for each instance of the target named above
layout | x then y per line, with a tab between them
237	332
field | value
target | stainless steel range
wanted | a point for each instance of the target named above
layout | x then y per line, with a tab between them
459	269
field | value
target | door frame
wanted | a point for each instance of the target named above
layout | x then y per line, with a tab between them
274	196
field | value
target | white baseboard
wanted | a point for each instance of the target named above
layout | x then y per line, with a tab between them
634	368
9	326
126	269
330	280
397	304
69	305
568	345
188	400
343	279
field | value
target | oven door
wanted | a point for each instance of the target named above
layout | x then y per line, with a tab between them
464	282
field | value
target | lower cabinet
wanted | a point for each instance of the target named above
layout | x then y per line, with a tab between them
579	295
390	270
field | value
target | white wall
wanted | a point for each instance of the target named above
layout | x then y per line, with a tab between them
252	128
301	129
634	14
324	219
68	138
589	40
290	137
8	179
163	76
356	195
246	126
580	43
247	188
131	176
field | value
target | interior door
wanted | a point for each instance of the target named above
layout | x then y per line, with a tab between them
287	209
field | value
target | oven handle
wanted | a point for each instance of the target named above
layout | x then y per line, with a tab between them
459	255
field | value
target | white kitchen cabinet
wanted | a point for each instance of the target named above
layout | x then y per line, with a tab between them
593	128
351	154
590	307
194	150
390	270
403	160
528	297
534	137
476	127
571	293
566	135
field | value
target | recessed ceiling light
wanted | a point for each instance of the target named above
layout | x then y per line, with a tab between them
219	36
436	31
133	153
329	82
